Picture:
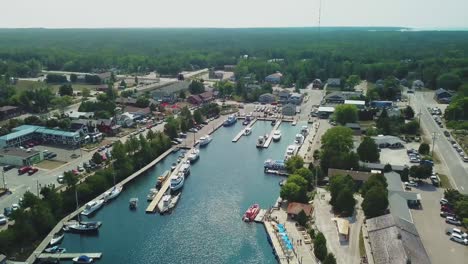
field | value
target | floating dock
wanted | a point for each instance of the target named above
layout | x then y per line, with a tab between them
260	216
270	137
64	256
275	243
238	136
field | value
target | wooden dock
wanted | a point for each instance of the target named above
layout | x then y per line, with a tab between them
275	243
238	136
270	137
260	216
64	256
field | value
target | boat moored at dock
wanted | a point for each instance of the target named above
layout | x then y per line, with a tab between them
185	168
57	238
174	201
92	207
276	165
251	213
205	140
247	131
276	135
231	120
260	142
133	203
152	193
290	151
163	205
82	227
113	193
299	139
177	182
83	260
194	155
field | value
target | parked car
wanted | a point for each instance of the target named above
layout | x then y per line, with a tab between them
459	239
446	133
15	207
447	213
7	211
23	170
80	169
8	167
52	155
443	201
465	158
3	219
32	171
452	220
60	179
75	172
454	230
411	183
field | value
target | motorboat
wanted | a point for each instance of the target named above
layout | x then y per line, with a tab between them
290	151
299	139
276	135
247	131
294	123
133	203
83	259
305	131
174	201
260	142
273	122
162	179
246	122
177	182
163	205
231	120
55	250
83	227
276	165
205	140
57	238
251	213
185	169
114	192
152	193
174	166
194	155
92	207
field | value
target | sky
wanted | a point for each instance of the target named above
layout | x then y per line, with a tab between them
233	13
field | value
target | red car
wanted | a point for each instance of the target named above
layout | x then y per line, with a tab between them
32	171
75	172
23	170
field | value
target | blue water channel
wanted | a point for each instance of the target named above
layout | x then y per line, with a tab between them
206	225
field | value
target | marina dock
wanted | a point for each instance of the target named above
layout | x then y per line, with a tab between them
260	216
241	133
282	259
270	137
64	256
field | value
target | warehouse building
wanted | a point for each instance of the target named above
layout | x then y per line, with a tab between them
20	157
25	133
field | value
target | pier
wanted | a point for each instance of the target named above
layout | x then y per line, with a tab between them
241	133
270	137
260	216
65	256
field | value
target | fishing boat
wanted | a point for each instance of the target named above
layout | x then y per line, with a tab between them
92	207
162	179
194	155
260	142
83	227
231	120
299	139
57	238
133	203
251	213
83	259
177	182
273	122
247	131
174	201
152	193
114	192
205	140
276	135
55	250
163	205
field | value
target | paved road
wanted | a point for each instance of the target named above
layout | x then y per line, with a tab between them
457	169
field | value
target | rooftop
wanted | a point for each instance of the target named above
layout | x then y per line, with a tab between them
18	152
356	175
7	108
355	102
296	208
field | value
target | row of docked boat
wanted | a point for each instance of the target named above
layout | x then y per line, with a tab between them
92	206
231	120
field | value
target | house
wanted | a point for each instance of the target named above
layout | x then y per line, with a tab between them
20	157
266	98
417	84
342	226
335	98
395	240
381	104
334	82
107	126
126	120
197	99
359	177
367	166
229	67
289	110
105	76
274	78
442	96
325	111
194	99
9	111
212	74
207	96
126	101
284	96
295	208
388	141
317	83
138	111
355	127
101	88
170	93
296	98
82	125
78	115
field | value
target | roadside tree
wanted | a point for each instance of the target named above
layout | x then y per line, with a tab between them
424	149
368	150
346	114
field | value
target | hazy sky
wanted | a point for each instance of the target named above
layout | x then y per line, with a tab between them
233	13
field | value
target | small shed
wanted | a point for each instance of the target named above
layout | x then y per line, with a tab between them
295	208
342	226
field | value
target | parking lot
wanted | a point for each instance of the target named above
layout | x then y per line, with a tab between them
431	227
398	156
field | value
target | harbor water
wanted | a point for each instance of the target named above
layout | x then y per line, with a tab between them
206	225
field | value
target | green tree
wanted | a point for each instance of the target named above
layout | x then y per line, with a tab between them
387	168
341	190
424	149
452	195
374	180
320	246
197	116
97	158
66	89
70	179
301	218
449	81
290	191
375	201
409	112
404	174
182	94
73	78
306	174
85	92
337	145
345	202
330	259
352	81
196	87
294	163
420	171
346	113
171	127
368	150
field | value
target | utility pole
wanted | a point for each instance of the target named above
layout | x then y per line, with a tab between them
419	116
434	137
3	176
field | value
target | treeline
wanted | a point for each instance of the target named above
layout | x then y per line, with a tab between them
43	214
186	120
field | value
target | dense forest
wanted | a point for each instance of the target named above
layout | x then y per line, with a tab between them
307	52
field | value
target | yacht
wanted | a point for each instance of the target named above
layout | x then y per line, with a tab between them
274	165
163	205
185	169
276	135
174	201
152	193
92	207
299	139
260	142
290	151
231	120
174	165
177	182
194	155
83	227
247	131
205	140
55	250
246	122
114	192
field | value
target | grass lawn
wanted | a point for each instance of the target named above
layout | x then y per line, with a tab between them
362	249
445	182
22	85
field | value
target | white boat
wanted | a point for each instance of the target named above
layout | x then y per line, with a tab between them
290	151
299	139
92	207
305	131
152	193
260	142
205	140
174	201
163	205
56	239
185	169
194	155
294	122
177	182
55	250
114	192
247	131
276	135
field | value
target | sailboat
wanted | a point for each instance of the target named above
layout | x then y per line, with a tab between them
114	192
82	227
